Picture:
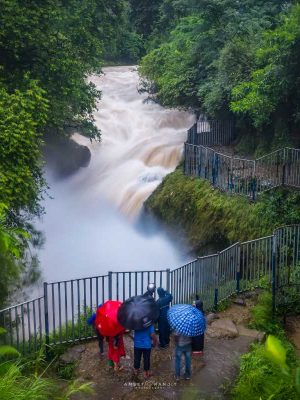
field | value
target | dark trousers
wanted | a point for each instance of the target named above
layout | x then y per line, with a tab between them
198	343
164	331
138	356
100	341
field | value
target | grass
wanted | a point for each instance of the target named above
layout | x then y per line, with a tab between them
260	377
17	384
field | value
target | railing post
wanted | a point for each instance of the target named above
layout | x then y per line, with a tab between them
110	285
217	284
46	315
168	279
274	272
185	171
238	269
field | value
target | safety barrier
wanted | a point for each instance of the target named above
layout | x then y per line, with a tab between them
59	316
235	174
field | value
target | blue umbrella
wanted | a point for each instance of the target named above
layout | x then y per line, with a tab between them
186	320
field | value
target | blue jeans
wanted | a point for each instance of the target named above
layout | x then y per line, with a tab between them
186	350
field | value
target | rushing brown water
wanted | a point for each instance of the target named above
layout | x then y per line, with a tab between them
141	143
92	225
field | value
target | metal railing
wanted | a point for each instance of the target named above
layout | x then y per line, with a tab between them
211	133
60	315
242	176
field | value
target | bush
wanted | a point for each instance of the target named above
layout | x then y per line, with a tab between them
16	384
260	378
269	372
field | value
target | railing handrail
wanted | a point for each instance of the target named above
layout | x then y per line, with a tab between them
233	174
240	158
22	304
76	279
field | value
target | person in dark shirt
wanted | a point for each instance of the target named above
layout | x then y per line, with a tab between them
163	302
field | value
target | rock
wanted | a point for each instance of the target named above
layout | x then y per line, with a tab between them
73	354
211	317
65	156
239	301
253	333
249	295
224	327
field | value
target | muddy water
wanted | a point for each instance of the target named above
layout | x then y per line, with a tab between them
93	223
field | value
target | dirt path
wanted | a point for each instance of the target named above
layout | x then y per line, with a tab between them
226	340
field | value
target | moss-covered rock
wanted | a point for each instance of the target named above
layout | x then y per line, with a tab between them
209	217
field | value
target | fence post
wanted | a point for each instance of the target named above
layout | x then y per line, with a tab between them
109	285
168	279
214	170
46	315
238	269
217	284
273	272
254	182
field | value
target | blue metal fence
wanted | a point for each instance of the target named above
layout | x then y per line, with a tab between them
235	174
59	316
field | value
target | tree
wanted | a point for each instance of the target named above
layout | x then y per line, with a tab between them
274	86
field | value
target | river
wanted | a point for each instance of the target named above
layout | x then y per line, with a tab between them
93	222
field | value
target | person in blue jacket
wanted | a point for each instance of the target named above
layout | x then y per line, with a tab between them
163	302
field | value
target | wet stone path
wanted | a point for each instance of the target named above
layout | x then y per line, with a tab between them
227	338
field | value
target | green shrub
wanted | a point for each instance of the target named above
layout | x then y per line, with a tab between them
66	371
262	316
260	378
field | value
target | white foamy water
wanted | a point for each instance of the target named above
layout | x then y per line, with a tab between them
91	226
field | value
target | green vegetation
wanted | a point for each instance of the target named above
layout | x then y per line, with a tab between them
22	378
66	371
230	59
208	216
48	49
17	384
30	378
268	371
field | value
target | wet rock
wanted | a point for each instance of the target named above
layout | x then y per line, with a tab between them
223	327
253	333
73	354
65	156
211	317
240	301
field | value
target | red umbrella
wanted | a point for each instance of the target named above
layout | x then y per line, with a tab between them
106	319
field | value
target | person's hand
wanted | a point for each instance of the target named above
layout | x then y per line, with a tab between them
115	347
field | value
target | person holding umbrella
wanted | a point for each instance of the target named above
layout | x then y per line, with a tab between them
187	321
108	325
138	313
163	302
144	339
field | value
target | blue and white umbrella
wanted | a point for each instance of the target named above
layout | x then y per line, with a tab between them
186	320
